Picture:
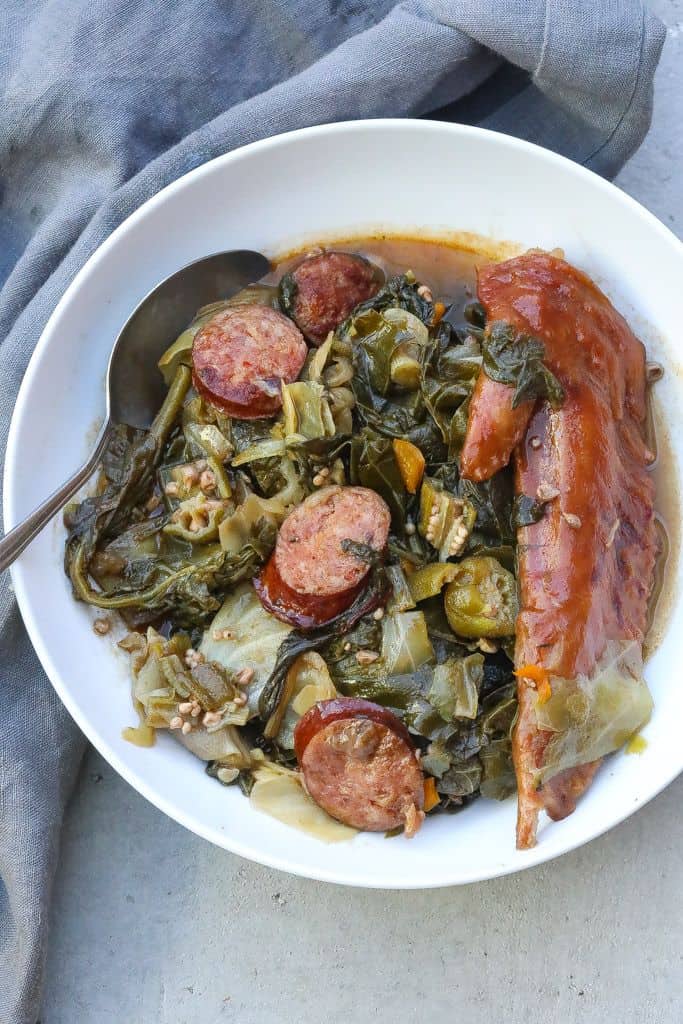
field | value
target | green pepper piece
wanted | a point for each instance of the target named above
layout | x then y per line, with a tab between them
481	600
431	579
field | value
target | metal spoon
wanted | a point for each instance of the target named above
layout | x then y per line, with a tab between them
134	386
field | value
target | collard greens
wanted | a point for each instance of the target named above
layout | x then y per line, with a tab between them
164	550
516	359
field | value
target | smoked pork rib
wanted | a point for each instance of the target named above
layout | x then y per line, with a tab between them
585	569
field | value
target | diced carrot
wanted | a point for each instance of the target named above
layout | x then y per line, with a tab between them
411	464
538	675
431	796
439	310
534	672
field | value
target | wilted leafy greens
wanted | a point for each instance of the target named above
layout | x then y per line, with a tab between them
516	359
157	547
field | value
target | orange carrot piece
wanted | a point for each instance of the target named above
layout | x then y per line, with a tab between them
439	310
432	798
411	464
538	675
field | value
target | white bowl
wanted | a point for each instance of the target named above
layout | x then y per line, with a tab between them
406	177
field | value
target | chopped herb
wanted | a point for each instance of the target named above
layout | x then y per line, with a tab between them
516	359
287	294
526	511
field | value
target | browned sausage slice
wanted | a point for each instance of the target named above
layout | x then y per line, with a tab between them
327	288
309	555
305	611
241	357
359	765
310	578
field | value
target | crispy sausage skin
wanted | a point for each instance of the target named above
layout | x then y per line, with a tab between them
305	611
585	569
328	287
241	357
359	764
310	578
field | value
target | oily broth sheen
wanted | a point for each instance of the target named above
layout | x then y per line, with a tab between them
449	266
450	272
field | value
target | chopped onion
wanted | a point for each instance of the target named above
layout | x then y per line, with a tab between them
405	642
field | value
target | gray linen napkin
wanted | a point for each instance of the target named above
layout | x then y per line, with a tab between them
106	101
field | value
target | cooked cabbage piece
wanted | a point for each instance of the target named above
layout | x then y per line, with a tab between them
455	687
243	635
279	793
164	686
595	716
405	642
308	681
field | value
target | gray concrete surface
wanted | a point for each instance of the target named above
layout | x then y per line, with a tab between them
151	925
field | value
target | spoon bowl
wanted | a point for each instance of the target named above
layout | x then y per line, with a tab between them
134	386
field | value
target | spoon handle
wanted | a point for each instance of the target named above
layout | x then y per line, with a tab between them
17	539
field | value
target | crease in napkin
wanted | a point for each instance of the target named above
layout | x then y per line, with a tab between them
104	103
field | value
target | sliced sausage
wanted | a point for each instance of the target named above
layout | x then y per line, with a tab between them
327	287
241	357
327	711
310	577
305	611
359	765
309	554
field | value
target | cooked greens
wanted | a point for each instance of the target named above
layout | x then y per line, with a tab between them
516	359
187	513
526	510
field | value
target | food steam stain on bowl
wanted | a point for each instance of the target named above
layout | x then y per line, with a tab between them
457	849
